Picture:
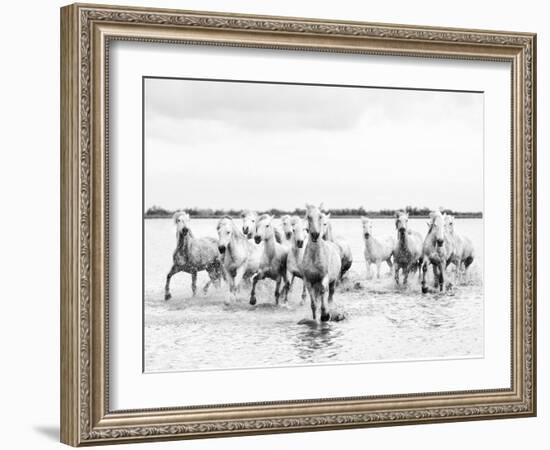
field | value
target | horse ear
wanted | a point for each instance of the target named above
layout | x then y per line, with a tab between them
432	214
364	219
328	215
321	206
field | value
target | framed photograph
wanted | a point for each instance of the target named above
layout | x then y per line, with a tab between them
274	224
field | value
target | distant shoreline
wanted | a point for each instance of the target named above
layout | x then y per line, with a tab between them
370	216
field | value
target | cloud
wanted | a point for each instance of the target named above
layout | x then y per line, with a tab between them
254	105
247	145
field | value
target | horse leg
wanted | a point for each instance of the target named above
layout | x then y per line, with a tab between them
424	271
206	286
441	277
234	281
173	270
213	278
331	288
239	275
291	281
312	298
467	263
368	271
406	274
216	274
257	277
378	269
304	294
325	315
231	283
286	285
277	292
396	274
436	275
390	265
194	283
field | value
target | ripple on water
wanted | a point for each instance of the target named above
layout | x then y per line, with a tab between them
382	323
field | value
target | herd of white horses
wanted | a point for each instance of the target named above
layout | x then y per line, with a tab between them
307	248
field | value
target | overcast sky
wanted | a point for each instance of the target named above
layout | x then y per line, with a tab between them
248	145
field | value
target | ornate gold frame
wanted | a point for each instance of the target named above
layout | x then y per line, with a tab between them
86	31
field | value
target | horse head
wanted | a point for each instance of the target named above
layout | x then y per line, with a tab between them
437	228
367	226
286	225
299	230
181	219
316	221
449	222
249	222
401	223
225	232
264	228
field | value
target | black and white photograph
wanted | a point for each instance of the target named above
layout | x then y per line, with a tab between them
297	224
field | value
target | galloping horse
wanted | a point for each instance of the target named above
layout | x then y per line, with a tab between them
321	266
193	255
273	261
249	223
241	258
286	226
436	250
250	219
463	249
296	253
346	258
376	250
408	249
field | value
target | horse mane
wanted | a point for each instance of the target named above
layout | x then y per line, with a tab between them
234	228
264	217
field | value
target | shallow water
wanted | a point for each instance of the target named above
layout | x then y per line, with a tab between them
383	322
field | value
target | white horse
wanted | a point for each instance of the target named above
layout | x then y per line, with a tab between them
463	249
296	253
241	258
408	249
321	266
376	250
193	255
436	250
273	261
250	219
287	230
344	249
249	223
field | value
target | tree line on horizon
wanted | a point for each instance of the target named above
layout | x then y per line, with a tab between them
413	211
